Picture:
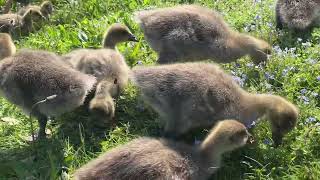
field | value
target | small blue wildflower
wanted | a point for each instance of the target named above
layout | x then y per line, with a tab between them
303	91
250	125
306	44
238	80
257	1
252	27
249	64
196	142
318	78
269	75
285	71
247	28
257	17
269	24
253	124
244	76
314	94
139	62
267	142
311	61
305	99
311	119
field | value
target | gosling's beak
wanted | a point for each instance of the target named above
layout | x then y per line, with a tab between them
250	139
133	38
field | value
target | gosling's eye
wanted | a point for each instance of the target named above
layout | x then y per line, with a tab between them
115	81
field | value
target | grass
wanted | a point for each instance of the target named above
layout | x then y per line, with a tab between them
292	71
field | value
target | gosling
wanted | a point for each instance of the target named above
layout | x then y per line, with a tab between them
108	66
196	95
7	47
46	9
30	76
192	33
149	158
14	23
299	15
7	7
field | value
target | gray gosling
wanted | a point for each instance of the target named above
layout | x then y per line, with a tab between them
193	33
149	158
196	95
30	76
7	7
46	9
299	15
14	23
7	47
110	68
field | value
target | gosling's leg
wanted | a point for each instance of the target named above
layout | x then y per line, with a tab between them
42	120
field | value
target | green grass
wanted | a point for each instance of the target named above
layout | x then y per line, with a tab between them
292	73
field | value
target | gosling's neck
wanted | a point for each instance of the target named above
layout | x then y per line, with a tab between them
110	42
210	149
254	106
243	44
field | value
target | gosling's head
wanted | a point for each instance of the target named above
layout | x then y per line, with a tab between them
260	51
7	47
226	136
46	9
32	15
283	117
117	33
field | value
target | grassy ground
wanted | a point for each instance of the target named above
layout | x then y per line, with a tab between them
292	71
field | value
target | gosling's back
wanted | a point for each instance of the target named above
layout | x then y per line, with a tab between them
188	32
30	76
143	158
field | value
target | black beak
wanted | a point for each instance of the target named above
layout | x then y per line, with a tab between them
133	38
250	139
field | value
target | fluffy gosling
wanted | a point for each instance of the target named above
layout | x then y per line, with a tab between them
110	68
192	33
149	158
196	95
14	23
30	76
299	15
46	9
7	47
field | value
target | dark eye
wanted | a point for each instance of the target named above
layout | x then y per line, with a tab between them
115	81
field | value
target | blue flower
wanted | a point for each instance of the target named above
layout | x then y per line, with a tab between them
311	61
305	99
318	78
238	80
267	142
306	44
314	94
311	119
303	91
250	65
269	24
269	75
139	62
257	17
